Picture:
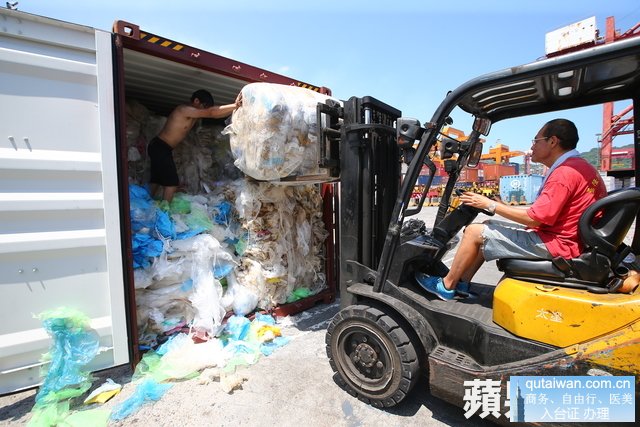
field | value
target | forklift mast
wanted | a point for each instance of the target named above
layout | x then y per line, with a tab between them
370	178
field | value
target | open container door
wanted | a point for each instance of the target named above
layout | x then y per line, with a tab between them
159	74
60	243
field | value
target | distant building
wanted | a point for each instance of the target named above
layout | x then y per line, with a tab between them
537	169
517	410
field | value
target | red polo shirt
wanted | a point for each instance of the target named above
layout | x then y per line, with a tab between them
566	194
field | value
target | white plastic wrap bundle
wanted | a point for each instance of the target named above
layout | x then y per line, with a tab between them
273	135
286	237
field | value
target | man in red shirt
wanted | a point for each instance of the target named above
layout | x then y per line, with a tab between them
547	229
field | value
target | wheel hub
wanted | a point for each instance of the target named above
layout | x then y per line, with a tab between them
365	355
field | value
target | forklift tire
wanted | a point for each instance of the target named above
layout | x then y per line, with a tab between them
371	356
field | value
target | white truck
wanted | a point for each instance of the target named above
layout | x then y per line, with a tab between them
65	236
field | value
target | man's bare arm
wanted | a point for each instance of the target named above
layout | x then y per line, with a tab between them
217	112
220	111
514	213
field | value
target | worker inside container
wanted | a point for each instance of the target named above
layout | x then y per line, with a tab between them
545	230
164	174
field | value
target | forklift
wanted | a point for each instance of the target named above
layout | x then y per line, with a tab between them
389	332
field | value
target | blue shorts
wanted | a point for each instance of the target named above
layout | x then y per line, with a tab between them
510	240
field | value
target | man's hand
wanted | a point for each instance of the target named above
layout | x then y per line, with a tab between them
238	102
474	200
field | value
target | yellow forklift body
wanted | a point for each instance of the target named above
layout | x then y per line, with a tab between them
561	316
617	350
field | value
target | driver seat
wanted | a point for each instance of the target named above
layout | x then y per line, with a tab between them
604	248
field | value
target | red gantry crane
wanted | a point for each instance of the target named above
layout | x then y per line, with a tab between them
584	35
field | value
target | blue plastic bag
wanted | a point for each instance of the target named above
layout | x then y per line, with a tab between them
74	345
147	391
223	216
237	327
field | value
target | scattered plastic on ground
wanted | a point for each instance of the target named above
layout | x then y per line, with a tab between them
74	344
147	391
103	393
241	342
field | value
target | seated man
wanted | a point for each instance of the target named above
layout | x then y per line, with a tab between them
549	226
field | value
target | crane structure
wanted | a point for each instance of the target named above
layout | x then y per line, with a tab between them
584	35
527	162
622	122
501	154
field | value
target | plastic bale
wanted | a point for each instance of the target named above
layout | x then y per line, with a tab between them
144	248
238	298
274	133
223	215
207	291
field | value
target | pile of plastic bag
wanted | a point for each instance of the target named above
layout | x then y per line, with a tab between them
232	245
204	256
274	135
202	159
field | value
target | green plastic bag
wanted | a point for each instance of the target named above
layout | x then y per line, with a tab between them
298	294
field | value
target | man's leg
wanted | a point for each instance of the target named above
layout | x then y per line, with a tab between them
153	190
468	258
468	275
168	193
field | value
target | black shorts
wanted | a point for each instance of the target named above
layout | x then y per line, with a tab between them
163	168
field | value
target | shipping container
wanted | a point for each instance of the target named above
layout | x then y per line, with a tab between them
469	175
516	168
66	236
437	180
520	189
609	182
493	172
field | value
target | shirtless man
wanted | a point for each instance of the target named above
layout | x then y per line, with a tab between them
179	123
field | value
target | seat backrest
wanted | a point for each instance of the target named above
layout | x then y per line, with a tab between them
605	234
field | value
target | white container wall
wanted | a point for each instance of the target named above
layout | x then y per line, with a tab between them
59	218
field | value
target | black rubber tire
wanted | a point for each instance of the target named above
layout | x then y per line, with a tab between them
371	356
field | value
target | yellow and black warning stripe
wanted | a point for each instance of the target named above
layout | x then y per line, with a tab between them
161	42
310	87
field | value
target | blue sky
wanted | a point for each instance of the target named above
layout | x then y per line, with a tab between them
407	53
